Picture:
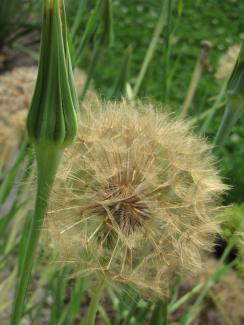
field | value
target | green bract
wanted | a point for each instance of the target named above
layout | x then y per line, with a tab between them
52	115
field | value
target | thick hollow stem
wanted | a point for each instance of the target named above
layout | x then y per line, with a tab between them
47	164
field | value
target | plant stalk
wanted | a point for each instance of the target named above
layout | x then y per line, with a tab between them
189	316
95	58
163	18
165	313
93	307
231	116
185	298
196	76
47	163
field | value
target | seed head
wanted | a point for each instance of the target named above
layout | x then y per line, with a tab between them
136	197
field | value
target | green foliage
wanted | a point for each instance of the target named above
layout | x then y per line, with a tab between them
234	223
134	23
234	227
15	20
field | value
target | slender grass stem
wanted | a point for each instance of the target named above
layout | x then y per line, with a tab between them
185	298
214	108
196	76
47	163
165	313
163	18
220	308
7	185
78	18
160	313
94	304
235	101
95	58
89	31
189	316
167	53
119	88
231	115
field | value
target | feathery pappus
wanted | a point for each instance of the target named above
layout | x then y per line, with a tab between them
136	198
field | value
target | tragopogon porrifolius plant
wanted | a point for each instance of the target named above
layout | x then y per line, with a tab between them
51	126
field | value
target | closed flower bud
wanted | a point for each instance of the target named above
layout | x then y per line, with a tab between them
136	198
52	115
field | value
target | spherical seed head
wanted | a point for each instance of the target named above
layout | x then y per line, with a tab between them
136	198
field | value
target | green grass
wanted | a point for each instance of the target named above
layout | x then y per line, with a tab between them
133	25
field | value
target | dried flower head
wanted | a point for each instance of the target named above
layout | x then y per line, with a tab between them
227	63
136	197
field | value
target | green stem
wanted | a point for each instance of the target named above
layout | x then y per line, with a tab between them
7	185
189	316
214	108
78	18
196	76
93	307
163	18
119	88
231	115
185	298
95	57
220	308
47	164
165	313
167	52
